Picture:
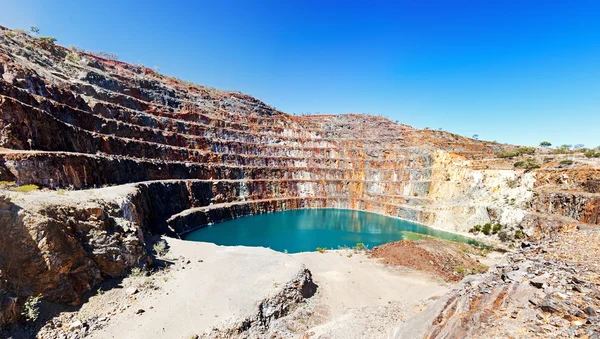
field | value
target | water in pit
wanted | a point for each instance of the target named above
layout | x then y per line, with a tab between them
305	230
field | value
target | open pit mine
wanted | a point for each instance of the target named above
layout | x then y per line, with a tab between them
104	166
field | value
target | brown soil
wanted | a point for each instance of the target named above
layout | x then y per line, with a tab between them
448	260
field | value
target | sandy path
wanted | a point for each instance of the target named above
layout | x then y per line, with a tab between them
357	281
362	298
226	286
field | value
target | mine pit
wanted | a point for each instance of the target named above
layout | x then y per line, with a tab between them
138	205
309	230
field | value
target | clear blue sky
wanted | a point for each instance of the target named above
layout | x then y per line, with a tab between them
512	71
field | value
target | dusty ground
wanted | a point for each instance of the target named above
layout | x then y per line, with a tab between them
448	260
211	291
359	297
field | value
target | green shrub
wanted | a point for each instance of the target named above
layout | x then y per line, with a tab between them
160	248
592	154
503	236
512	182
136	272
359	246
545	144
529	164
566	162
519	234
461	270
321	249
475	229
47	40
507	154
31	309
486	229
72	57
526	150
519	151
496	228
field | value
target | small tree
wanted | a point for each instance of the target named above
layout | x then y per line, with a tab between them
579	146
545	144
476	136
34	30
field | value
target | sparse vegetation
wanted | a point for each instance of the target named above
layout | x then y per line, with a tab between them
359	247
545	144
566	162
526	150
26	188
321	249
160	248
475	229
512	182
486	229
529	164
503	236
6	184
519	151
592	154
496	228
461	270
136	272
519	234
31	309
72	57
47	40
507	154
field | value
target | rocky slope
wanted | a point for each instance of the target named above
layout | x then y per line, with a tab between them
122	152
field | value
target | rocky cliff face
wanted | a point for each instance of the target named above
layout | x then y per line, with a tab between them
122	151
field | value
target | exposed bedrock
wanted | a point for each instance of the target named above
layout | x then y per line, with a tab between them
61	248
122	152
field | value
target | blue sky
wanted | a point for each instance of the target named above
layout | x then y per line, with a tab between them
512	71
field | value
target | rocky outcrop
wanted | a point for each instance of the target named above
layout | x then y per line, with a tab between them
547	290
270	309
61	249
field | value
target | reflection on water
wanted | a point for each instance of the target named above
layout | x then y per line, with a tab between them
305	230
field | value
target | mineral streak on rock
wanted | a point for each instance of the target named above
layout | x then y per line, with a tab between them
122	151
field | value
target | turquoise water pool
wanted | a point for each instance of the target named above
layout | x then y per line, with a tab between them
305	230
